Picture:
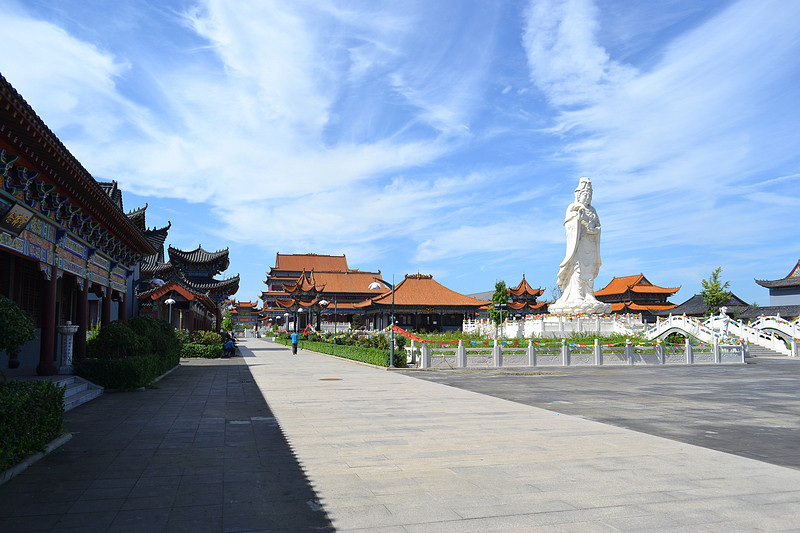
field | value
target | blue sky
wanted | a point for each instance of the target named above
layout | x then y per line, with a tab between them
441	137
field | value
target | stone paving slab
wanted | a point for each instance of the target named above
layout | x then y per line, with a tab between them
202	452
387	452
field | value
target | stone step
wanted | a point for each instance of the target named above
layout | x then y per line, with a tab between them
754	350
78	391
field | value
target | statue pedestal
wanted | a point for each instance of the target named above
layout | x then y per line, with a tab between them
67	332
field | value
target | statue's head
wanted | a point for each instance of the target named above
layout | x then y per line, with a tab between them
583	193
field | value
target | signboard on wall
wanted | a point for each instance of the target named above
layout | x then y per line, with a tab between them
13	217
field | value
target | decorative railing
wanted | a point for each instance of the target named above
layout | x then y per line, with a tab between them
502	354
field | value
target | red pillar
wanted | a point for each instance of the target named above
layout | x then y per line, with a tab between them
105	315
123	308
79	341
47	350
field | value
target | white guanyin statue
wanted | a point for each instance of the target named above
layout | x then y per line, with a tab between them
581	265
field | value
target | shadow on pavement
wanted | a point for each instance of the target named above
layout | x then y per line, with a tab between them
201	452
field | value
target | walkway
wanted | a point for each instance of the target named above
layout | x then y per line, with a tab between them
358	448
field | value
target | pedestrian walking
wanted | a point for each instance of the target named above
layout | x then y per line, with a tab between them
295	338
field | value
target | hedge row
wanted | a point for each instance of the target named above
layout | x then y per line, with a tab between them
125	373
31	415
204	351
372	356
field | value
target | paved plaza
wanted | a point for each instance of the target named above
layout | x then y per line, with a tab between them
275	442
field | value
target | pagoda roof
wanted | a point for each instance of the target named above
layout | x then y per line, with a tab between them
696	306
113	192
637	283
229	285
633	306
519	306
151	265
245	304
200	256
293	303
25	134
524	288
789	312
423	291
353	282
137	216
792	280
320	263
188	293
306	282
157	236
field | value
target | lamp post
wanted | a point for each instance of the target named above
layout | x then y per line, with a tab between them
300	311
323	304
170	302
500	307
286	321
376	285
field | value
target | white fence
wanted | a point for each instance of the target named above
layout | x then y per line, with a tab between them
542	326
428	355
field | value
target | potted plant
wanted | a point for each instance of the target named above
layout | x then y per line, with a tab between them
16	328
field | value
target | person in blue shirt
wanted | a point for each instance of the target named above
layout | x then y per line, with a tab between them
295	338
230	347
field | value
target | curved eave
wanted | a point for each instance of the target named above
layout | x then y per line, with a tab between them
29	137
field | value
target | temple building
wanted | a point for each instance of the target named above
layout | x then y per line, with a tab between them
315	289
63	237
784	291
421	304
784	298
183	290
696	307
522	299
635	294
244	314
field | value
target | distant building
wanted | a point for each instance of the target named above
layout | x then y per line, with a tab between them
244	314
784	291
696	307
635	294
422	304
522	299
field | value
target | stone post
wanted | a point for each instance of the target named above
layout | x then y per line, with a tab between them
688	351
564	353
497	353
413	352
67	331
425	358
716	350
531	353
659	349
461	355
598	353
629	351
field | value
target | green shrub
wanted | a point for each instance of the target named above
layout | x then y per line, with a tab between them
182	335
372	356
16	327
202	351
113	341
31	415
156	336
124	373
209	338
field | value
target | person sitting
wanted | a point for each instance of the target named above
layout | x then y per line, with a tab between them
229	348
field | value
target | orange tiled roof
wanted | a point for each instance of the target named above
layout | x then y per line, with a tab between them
298	262
420	290
245	304
633	306
525	288
637	283
518	306
304	284
348	282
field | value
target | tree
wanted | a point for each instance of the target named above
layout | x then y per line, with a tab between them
500	297
715	293
227	322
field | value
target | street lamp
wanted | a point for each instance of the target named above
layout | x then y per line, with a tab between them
286	321
323	304
500	307
375	285
170	302
300	311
